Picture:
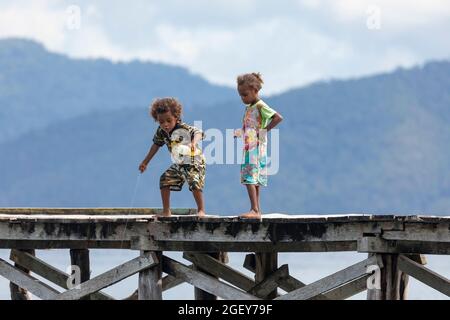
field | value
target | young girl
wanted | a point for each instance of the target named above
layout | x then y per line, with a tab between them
258	119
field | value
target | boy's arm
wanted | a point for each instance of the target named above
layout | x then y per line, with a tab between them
153	150
276	119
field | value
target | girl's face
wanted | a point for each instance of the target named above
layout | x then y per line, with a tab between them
167	121
248	94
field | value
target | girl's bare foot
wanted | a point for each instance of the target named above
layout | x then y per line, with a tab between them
201	213
252	214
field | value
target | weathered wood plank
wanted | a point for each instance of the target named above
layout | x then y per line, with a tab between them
48	272
204	282
230	246
267	288
241	231
94	211
200	294
425	275
150	280
221	270
290	283
380	245
26	281
332	281
427	232
18	293
348	290
110	277
265	264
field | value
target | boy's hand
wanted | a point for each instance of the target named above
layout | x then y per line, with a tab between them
142	167
238	133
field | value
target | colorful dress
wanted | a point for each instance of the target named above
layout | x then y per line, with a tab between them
253	168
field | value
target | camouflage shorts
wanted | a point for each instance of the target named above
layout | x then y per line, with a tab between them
176	175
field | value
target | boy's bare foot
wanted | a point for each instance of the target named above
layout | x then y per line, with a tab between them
163	214
252	214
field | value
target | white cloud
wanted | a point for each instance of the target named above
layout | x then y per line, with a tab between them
291	44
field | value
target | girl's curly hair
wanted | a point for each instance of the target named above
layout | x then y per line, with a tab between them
164	105
253	80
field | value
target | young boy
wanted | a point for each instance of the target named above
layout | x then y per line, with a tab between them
179	138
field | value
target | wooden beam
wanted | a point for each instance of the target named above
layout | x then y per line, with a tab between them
425	275
150	280
381	245
230	246
265	265
24	280
269	285
48	272
290	283
221	270
203	281
333	281
220	257
110	277
18	293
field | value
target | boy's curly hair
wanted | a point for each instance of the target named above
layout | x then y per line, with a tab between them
163	105
253	80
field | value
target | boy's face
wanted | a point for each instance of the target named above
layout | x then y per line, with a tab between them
167	121
248	94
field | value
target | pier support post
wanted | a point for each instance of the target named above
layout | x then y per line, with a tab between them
18	293
150	280
80	258
393	282
200	294
265	264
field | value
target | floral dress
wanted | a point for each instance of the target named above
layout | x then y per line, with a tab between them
253	168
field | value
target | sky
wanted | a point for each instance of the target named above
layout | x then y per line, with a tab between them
291	42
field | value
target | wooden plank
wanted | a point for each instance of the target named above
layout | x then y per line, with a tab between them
427	232
221	270
230	246
150	280
204	282
425	275
242	231
290	283
80	258
200	294
18	293
168	282
110	277
94	211
381	245
268	286
48	272
26	281
348	290
333	281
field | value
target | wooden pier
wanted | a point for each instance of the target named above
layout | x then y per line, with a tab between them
395	247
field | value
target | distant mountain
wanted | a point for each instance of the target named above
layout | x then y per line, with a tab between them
38	88
378	144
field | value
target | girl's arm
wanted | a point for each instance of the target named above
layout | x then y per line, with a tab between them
276	119
197	137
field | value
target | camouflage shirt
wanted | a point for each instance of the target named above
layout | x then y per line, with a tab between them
182	133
